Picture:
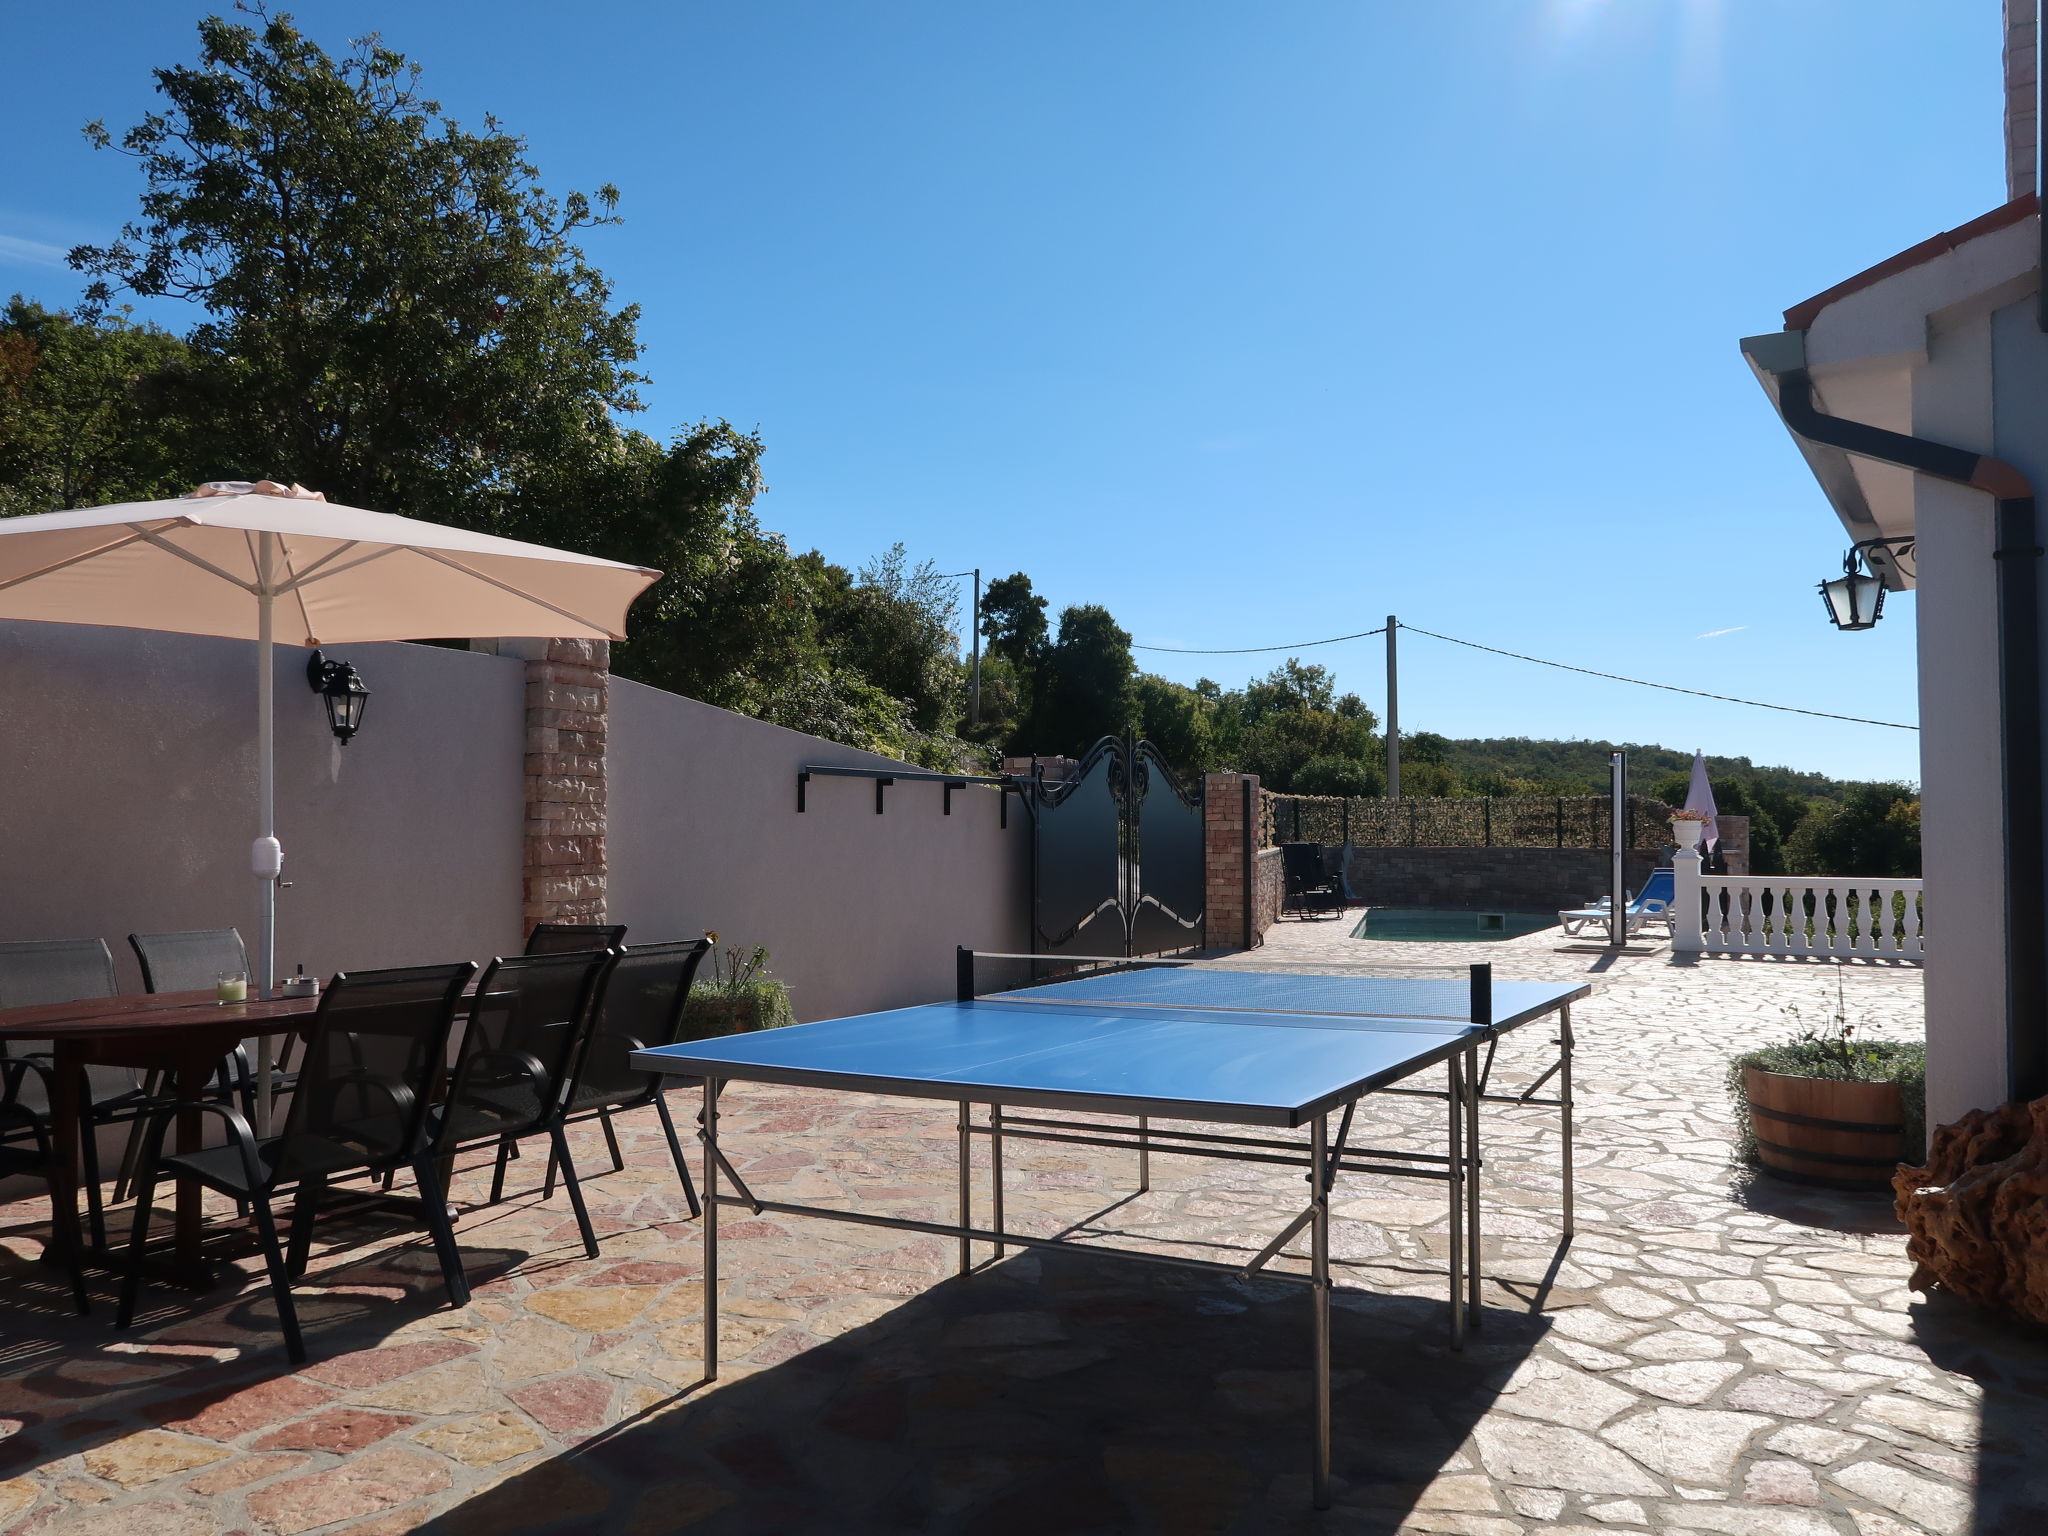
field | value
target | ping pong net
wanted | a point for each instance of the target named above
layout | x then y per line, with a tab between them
1461	994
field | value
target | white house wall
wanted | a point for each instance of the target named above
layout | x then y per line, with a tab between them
1961	822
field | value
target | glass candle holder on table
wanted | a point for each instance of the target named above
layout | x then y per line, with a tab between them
231	987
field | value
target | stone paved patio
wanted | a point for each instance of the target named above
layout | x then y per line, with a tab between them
1705	1357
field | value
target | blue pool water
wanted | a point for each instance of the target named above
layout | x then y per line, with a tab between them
1445	925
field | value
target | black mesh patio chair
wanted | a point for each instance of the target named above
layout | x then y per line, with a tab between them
62	971
639	1005
193	961
1309	890
188	962
525	1030
55	971
574	938
366	1087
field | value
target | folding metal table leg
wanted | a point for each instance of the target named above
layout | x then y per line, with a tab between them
1319	1303
710	1135
1455	1169
1567	1128
1144	1154
995	1166
966	1194
1475	1248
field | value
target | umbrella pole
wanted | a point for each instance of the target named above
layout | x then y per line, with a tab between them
266	858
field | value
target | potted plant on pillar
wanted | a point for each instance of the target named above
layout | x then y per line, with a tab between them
1688	827
1825	1108
738	997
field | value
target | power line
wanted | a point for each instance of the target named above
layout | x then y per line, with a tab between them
1247	650
1790	709
1562	666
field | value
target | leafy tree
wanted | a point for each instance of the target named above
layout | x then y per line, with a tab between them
396	312
1176	721
1089	687
1018	641
894	624
80	424
1340	776
1276	725
1874	830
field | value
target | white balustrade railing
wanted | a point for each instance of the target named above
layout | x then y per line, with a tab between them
1872	917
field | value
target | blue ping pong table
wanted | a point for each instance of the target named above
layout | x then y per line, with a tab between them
1250	1049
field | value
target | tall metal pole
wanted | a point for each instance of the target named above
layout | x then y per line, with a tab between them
1393	712
1617	891
266	858
974	709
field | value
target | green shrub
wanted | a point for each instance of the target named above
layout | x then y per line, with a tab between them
738	997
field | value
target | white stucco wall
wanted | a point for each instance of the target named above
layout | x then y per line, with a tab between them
128	761
1962	832
859	911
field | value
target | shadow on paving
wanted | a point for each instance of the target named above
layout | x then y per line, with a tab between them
2009	1361
72	1383
1053	1394
1864	1213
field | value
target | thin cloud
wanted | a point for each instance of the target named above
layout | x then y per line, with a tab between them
30	253
1711	634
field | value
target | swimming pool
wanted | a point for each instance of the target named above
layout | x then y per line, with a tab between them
1448	925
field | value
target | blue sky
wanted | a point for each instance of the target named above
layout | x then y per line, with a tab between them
1255	323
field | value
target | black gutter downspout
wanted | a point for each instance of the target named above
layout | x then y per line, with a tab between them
2019	698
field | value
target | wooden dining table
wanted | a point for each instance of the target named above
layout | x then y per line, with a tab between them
183	1035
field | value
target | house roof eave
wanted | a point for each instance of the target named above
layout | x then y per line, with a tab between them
1800	316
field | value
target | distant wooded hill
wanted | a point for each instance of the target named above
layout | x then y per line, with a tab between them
1580	767
1800	823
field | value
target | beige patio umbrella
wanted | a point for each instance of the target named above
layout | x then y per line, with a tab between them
273	563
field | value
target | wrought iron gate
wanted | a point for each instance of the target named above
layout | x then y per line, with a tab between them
1117	856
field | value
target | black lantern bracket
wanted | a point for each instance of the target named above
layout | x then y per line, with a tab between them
1896	551
342	690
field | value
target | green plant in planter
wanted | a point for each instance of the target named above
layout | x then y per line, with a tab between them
738	997
1826	1050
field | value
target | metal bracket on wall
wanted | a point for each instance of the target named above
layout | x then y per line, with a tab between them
884	777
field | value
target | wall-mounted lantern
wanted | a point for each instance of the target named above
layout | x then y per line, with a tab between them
1855	599
342	690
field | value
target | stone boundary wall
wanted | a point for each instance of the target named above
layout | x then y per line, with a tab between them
1503	879
1270	887
858	911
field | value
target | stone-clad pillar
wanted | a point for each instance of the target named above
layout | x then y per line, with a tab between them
567	687
1231	840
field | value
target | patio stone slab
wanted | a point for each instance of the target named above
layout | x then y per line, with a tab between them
1708	1354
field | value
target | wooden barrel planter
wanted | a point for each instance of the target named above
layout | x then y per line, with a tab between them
1815	1130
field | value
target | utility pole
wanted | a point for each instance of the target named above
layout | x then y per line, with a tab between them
1393	713
974	629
